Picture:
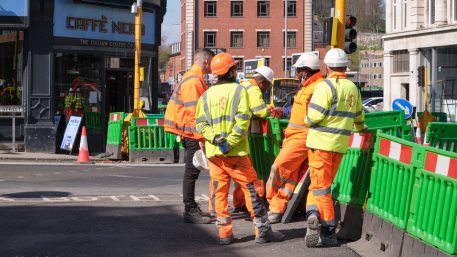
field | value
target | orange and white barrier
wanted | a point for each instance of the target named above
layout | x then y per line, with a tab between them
440	164
396	151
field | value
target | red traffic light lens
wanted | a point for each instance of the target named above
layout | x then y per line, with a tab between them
351	21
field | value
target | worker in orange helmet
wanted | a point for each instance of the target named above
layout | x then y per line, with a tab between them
335	107
180	120
284	171
223	118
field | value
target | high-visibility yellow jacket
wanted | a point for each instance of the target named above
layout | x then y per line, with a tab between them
335	107
296	127
256	103
224	110
180	112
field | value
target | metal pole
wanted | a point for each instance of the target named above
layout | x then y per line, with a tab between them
136	92
285	39
340	15
14	132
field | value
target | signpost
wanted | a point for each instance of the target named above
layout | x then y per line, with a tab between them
403	104
12	109
251	65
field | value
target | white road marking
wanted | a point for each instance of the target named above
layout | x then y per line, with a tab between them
111	165
124	176
20	177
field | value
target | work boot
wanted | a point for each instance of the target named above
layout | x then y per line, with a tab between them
238	209
274	217
194	216
328	240
227	240
204	214
313	231
270	236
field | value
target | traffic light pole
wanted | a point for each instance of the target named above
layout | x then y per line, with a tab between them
340	17
136	91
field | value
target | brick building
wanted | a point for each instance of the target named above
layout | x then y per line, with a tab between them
246	29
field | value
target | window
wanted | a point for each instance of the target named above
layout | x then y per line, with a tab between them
405	15
263	8
401	61
11	49
236	39
210	8
455	10
210	39
263	39
395	15
236	9
267	61
291	39
292	8
240	63
289	63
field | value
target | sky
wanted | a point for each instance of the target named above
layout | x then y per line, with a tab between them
171	26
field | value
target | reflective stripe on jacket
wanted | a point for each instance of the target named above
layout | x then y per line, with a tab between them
224	110
180	112
256	103
296	126
334	108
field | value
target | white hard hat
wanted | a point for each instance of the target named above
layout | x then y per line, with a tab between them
309	60
336	57
266	72
200	161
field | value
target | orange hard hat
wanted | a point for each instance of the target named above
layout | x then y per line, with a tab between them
222	62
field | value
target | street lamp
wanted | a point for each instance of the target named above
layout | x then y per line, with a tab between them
285	39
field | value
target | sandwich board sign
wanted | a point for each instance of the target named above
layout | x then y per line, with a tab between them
71	131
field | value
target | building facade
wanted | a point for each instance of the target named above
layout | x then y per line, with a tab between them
247	29
372	68
73	49
421	33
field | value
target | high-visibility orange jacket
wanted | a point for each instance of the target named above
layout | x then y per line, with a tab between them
296	126
180	113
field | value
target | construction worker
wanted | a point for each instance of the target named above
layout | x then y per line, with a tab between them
180	120
256	87
223	118
78	103
68	103
284	171
335	107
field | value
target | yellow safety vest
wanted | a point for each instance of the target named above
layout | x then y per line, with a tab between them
224	110
256	103
335	107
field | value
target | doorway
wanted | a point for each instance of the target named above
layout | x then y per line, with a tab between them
119	91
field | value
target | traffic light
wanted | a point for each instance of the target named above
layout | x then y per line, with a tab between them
420	76
328	23
350	34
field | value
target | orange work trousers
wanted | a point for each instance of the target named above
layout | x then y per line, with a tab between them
284	172
239	168
323	166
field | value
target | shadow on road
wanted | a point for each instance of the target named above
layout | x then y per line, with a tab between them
79	231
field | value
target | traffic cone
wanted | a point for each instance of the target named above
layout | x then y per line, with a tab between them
418	134
83	156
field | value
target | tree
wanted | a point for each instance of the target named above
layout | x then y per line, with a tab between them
164	54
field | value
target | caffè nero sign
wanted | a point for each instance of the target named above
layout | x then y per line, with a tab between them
98	26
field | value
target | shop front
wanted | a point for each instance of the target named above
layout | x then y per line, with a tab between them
84	66
14	20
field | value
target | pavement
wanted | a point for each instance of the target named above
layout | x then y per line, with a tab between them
8	155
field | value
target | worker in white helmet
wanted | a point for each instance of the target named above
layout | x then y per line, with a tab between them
287	165
335	107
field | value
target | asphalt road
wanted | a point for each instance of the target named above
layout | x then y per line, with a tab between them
115	210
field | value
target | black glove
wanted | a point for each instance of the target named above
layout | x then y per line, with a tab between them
218	139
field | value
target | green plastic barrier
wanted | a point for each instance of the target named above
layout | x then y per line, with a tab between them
264	145
116	119
392	178
433	209
353	177
442	135
143	135
439	116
